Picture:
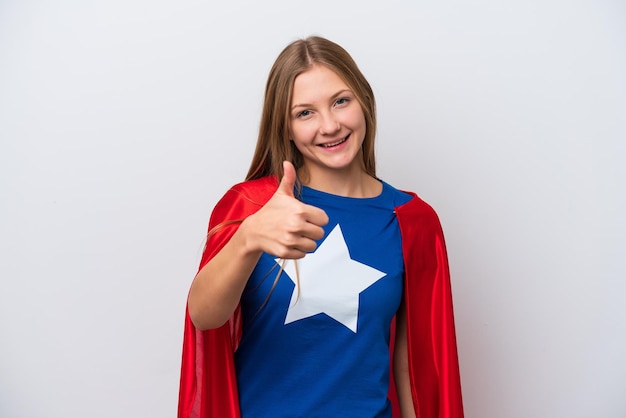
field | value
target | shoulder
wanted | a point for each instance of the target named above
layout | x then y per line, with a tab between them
257	191
242	200
417	209
420	226
408	202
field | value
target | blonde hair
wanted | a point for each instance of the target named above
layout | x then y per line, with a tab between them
273	144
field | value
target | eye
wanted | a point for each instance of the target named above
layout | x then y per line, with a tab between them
303	114
341	101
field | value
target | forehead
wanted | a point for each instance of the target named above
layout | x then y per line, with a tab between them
317	83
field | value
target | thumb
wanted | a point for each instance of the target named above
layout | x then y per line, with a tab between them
289	179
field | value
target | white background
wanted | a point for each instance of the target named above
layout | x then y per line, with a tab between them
123	122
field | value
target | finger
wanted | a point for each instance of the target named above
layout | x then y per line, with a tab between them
313	232
288	181
303	244
298	249
292	254
316	216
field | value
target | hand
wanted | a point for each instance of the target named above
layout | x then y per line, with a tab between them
286	227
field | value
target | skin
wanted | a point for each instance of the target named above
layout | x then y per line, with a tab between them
327	126
401	366
284	227
325	112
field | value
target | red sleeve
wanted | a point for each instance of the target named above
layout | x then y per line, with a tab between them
208	386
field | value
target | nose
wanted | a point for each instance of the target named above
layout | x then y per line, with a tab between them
329	124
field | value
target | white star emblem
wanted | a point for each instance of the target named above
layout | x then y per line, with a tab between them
330	282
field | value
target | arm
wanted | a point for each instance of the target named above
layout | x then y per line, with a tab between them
217	287
401	365
284	227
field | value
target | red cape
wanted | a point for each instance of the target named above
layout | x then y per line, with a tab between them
208	385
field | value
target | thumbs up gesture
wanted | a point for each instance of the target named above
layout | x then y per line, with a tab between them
286	227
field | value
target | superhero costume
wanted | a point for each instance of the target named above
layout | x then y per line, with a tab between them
208	379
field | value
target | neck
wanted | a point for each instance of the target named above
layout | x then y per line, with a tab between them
351	182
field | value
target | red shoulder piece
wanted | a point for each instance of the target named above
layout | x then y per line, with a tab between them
433	358
208	385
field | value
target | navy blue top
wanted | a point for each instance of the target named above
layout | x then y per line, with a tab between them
317	345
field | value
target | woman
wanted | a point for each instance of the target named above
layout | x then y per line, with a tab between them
323	291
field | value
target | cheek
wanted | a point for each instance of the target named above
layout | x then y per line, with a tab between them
300	143
355	119
303	133
360	117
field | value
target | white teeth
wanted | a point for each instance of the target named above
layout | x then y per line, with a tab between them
334	144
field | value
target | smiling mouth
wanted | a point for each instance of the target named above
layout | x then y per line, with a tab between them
334	144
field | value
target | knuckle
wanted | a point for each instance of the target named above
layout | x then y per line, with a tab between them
289	240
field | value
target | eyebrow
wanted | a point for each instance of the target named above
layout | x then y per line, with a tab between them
333	97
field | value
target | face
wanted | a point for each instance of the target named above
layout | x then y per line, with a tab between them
327	123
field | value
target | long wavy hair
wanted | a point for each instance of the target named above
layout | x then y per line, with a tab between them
273	144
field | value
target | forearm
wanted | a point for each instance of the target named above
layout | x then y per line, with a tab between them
403	387
401	366
217	288
283	227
